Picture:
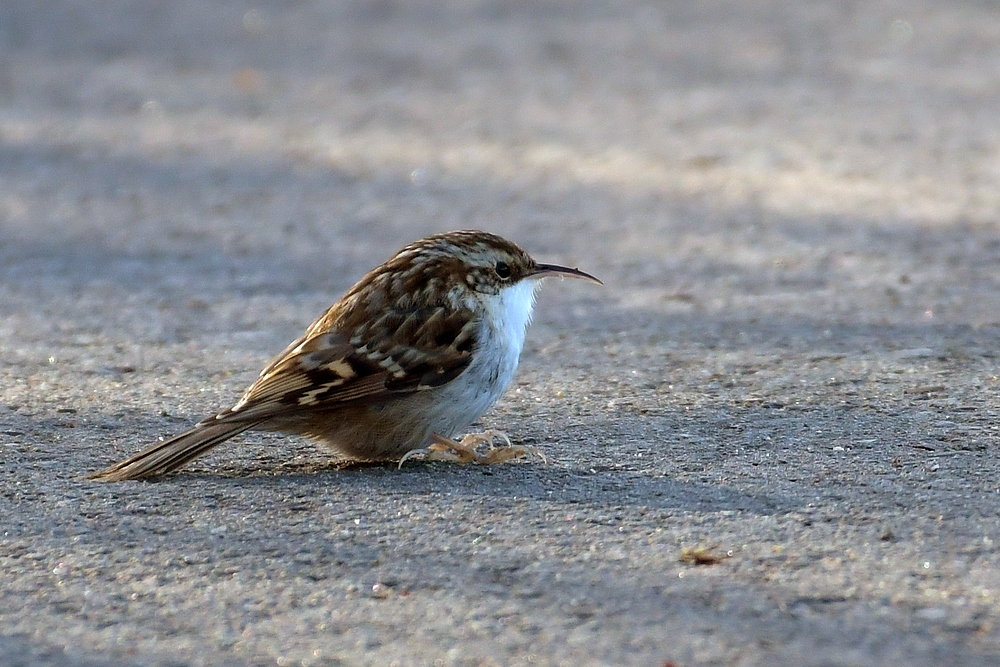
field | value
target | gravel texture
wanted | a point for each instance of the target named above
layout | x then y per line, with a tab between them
771	436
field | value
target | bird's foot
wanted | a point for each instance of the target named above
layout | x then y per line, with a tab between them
446	449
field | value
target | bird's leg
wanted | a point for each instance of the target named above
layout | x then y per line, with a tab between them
446	449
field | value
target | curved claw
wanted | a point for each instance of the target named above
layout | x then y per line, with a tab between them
446	449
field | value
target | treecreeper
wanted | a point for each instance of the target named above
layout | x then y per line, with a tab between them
406	360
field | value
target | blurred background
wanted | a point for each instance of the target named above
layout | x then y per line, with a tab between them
652	139
188	177
793	206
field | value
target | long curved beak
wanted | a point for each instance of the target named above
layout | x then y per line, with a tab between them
546	270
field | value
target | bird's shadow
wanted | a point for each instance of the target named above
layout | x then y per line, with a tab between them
550	483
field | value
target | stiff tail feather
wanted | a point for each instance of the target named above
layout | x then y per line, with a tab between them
169	455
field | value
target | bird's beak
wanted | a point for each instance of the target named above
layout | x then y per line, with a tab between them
546	270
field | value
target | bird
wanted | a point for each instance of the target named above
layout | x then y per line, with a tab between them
414	353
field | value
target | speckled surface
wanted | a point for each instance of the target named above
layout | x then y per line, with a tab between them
792	366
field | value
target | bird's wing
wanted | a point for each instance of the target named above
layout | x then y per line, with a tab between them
397	352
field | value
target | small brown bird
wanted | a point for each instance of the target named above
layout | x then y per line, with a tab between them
414	353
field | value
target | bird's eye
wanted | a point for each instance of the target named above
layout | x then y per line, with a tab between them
503	270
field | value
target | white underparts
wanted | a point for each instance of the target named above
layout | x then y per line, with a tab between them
509	313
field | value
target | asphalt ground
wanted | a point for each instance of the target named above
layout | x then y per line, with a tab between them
771	437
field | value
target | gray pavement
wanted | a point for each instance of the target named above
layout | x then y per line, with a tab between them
792	368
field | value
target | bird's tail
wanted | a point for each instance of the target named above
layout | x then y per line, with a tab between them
171	454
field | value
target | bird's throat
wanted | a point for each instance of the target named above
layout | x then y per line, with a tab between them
509	313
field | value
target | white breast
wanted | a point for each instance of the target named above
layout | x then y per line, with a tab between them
495	357
509	313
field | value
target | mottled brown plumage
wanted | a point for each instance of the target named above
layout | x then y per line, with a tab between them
418	349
